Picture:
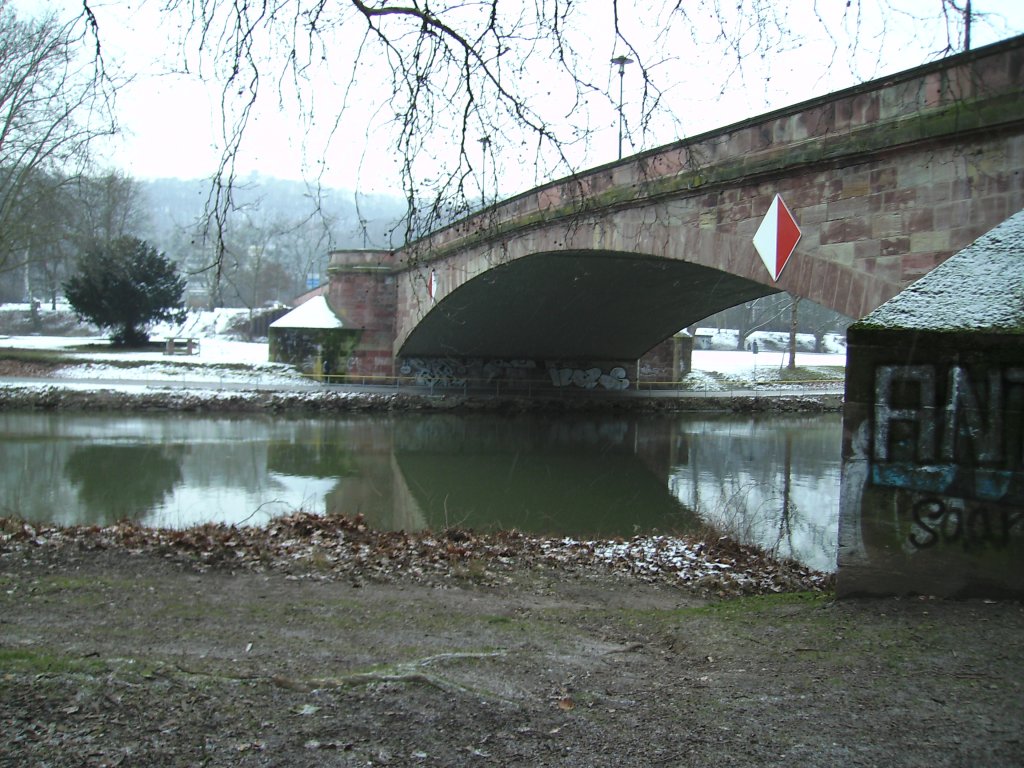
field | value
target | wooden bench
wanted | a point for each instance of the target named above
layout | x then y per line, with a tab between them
182	346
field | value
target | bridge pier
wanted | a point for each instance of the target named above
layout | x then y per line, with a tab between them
667	364
363	291
932	495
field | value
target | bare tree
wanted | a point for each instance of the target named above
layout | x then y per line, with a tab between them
67	217
55	101
820	321
959	19
472	88
794	326
757	315
265	259
88	210
107	207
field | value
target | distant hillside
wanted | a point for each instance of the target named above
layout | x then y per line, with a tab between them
175	205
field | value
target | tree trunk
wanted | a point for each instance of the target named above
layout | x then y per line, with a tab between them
792	334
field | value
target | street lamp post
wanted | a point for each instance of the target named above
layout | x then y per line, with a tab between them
621	61
485	142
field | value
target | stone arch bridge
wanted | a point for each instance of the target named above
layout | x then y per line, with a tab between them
576	281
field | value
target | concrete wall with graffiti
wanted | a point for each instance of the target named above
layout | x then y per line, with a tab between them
933	448
665	365
512	375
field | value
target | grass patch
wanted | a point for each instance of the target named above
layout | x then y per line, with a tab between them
765	375
82	592
54	357
39	662
69	353
92	346
822	373
755	604
51	584
712	381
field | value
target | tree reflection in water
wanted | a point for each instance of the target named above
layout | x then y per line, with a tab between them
115	482
774	484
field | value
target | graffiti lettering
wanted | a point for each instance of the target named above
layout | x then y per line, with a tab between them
495	370
918	415
972	526
589	378
432	372
923	418
933	471
462	372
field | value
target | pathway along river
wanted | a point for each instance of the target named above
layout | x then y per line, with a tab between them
772	480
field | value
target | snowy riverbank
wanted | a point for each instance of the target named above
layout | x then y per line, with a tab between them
226	372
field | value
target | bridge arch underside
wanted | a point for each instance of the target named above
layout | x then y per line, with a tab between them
575	305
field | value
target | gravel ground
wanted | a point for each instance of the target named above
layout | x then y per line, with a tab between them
273	647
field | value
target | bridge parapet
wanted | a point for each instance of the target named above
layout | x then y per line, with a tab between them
355	259
950	98
975	91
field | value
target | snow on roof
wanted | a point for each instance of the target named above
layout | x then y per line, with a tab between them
980	288
315	313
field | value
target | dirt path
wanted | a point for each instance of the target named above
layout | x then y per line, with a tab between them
113	658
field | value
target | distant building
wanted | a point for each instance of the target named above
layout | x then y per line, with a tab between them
702	338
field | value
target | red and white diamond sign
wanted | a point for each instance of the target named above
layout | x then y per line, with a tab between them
776	238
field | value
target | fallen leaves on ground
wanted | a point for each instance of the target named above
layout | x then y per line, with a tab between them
313	546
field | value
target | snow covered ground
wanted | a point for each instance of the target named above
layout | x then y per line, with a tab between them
220	358
764	367
218	361
725	339
722	359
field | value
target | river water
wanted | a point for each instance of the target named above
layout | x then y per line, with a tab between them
771	480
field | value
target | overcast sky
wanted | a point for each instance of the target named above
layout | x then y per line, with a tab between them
172	121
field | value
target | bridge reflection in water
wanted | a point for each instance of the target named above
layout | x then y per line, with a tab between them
773	481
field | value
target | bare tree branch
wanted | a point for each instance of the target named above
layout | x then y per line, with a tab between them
437	78
54	104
